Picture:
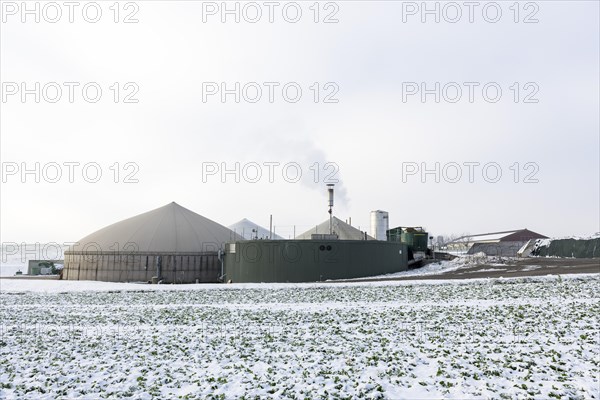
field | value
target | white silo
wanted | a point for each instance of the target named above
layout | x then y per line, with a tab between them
379	224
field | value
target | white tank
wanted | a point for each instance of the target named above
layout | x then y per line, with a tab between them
379	224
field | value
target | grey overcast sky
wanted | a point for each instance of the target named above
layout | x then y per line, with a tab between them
498	102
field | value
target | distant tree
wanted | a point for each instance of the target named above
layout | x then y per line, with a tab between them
465	242
448	239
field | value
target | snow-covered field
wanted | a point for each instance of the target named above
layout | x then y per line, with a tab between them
484	338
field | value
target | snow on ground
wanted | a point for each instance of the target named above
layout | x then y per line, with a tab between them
531	267
442	267
429	269
481	338
8	286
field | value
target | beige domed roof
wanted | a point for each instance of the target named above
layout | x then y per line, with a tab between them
245	228
168	229
343	230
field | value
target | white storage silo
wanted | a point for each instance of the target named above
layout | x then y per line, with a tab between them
379	224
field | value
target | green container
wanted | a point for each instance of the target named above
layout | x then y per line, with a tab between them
394	235
416	238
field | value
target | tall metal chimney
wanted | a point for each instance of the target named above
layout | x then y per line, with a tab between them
330	191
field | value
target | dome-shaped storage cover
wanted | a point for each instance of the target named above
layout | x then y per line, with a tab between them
168	229
343	230
244	228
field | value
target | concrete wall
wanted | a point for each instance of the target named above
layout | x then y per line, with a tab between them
141	267
311	260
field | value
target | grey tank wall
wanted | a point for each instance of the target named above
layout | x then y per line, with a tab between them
311	260
141	267
577	248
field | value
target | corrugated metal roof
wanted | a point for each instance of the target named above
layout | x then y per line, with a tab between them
523	235
514	235
492	237
169	229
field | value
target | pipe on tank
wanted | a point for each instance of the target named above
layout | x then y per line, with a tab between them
220	258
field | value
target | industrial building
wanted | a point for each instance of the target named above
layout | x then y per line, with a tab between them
416	238
170	243
502	244
331	250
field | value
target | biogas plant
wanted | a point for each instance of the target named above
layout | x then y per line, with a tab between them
172	244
